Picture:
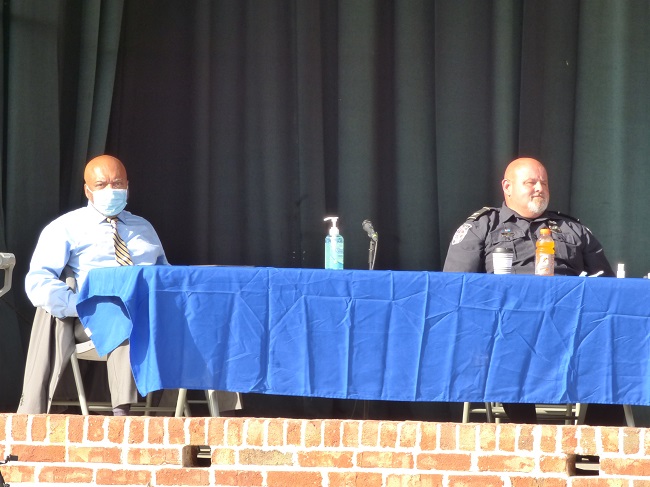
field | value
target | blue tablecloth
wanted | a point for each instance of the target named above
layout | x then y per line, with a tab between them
388	335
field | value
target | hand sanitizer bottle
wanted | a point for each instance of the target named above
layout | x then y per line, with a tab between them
333	246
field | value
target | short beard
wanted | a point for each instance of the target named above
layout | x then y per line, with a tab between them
537	208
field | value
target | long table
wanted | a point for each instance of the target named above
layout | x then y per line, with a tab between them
376	335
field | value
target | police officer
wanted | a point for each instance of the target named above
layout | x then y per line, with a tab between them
516	225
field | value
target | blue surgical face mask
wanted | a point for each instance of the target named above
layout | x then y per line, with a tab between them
109	201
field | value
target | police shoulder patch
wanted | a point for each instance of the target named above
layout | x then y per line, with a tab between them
460	233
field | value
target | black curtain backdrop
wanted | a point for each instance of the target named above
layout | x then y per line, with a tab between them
243	123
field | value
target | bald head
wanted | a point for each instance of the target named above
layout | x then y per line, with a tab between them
525	187
103	169
104	172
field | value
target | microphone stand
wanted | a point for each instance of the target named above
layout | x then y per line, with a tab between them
372	253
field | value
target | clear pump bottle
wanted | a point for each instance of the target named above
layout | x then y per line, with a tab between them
333	246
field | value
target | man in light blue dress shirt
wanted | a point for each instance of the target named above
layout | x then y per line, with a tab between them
82	240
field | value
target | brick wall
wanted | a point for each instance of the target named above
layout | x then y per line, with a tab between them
157	451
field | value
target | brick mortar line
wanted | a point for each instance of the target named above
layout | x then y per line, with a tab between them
38	467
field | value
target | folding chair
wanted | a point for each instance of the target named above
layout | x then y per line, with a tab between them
87	351
7	262
546	413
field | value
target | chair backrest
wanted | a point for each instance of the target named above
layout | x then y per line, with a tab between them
83	350
67	275
7	262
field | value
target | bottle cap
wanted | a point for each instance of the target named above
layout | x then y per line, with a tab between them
334	231
545	231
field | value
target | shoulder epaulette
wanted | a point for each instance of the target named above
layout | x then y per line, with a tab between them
477	214
564	215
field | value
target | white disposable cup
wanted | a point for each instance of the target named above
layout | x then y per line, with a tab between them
502	260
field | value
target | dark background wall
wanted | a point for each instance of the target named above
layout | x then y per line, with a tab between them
243	123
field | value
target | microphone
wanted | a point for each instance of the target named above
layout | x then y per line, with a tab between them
367	227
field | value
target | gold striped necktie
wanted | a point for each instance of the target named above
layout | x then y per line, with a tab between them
122	255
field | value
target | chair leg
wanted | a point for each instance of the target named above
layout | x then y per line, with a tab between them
466	407
213	403
568	413
83	404
629	416
148	402
488	412
581	413
181	403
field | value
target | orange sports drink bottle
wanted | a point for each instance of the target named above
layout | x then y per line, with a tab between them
545	254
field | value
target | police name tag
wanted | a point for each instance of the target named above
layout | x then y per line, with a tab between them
460	233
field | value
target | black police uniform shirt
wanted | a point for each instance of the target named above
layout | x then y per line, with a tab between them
576	248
